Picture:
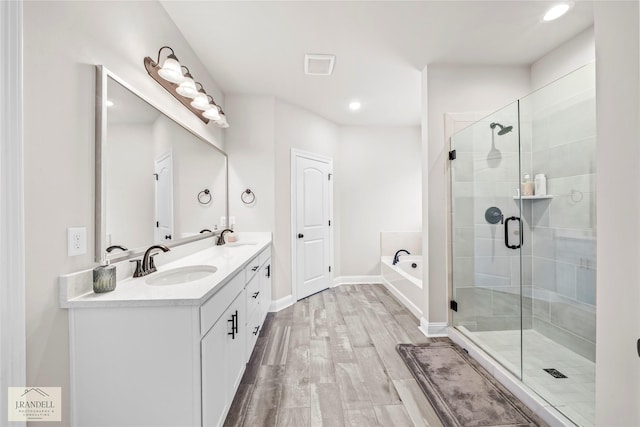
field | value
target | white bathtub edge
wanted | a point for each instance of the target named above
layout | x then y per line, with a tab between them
356	280
402	298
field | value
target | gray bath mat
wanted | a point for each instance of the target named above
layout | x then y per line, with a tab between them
461	391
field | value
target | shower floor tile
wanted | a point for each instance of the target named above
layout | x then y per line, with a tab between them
574	396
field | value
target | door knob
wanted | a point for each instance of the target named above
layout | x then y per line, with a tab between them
300	235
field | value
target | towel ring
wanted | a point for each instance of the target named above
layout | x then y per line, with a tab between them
248	197
203	195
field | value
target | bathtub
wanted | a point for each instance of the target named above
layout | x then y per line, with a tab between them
404	280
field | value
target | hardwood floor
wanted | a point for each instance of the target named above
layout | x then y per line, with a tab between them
330	360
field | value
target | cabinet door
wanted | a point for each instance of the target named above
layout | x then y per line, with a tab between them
235	356
214	390
223	361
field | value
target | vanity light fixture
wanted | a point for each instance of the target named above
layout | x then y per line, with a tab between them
170	69
201	100
184	88
187	86
211	110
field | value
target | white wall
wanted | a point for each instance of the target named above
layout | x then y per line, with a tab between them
454	89
62	43
380	190
569	56
303	130
251	149
618	252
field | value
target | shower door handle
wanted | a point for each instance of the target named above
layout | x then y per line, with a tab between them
506	232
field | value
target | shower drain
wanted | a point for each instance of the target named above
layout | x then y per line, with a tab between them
555	373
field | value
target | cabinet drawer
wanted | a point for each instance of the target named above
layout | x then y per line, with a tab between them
213	308
254	326
252	268
253	295
265	255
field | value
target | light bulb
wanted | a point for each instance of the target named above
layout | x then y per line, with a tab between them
188	87
201	101
212	113
171	70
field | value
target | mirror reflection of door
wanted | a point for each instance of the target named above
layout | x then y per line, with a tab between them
164	197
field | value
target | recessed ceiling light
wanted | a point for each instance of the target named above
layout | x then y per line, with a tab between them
556	12
109	103
354	105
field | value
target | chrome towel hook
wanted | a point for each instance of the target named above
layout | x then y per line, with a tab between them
248	197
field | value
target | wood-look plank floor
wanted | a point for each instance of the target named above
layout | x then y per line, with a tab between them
330	360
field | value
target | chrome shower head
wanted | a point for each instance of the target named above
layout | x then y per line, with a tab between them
503	129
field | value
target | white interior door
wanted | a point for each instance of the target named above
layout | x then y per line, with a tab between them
312	216
164	197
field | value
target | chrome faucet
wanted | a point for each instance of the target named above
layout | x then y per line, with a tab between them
220	240
146	265
396	257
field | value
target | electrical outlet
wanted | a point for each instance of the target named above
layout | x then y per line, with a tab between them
76	241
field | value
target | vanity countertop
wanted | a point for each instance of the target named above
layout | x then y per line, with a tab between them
76	290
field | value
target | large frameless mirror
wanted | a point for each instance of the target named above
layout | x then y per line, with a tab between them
157	182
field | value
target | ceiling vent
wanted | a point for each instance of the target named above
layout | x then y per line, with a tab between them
319	65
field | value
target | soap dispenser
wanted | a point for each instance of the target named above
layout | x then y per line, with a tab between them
104	276
527	185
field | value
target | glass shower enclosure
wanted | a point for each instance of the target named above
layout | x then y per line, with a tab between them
523	265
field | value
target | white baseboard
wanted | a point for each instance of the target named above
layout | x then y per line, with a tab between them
282	303
403	299
356	280
538	405
433	329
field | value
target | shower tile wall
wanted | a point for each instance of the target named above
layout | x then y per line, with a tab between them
562	229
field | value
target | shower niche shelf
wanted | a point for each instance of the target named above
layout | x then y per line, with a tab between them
548	196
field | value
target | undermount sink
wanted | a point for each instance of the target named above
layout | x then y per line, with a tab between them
234	244
180	275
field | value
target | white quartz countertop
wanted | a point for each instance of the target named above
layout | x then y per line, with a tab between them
229	259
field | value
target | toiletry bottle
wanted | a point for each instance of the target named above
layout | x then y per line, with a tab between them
527	185
540	185
104	278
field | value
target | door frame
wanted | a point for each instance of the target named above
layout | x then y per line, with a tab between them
295	154
12	245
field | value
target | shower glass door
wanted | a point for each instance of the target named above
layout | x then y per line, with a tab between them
487	237
524	266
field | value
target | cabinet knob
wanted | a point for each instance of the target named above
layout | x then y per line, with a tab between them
255	267
300	235
255	294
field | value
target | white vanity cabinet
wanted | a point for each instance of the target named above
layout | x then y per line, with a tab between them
258	295
166	363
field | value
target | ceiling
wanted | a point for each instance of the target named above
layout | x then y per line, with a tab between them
381	47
